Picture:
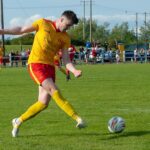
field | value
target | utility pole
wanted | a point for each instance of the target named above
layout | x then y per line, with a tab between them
145	23
90	20
84	1
136	22
145	28
2	24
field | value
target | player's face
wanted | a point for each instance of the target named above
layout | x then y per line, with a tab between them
65	24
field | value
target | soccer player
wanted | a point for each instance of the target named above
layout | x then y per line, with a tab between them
57	62
50	37
71	52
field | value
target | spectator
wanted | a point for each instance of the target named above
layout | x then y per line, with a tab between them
11	58
87	54
141	54
88	44
17	56
94	54
102	55
110	55
28	53
81	54
148	54
135	55
117	56
23	58
71	52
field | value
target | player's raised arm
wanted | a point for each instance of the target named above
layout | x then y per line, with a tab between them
18	30
69	65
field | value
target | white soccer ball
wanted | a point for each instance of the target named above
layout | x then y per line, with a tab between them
116	124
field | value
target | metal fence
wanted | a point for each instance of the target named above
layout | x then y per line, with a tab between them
82	58
13	61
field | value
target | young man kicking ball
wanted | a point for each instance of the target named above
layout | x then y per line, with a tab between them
50	37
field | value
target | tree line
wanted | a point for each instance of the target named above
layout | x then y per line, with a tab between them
100	33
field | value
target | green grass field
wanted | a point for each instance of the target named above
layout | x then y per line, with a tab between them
103	91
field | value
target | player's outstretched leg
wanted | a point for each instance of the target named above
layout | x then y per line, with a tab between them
32	111
68	109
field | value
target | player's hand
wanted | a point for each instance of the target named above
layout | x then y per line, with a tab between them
77	73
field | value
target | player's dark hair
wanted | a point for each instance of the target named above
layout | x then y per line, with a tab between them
71	16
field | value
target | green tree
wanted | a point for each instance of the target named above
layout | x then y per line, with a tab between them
76	32
145	33
99	32
24	40
121	33
102	33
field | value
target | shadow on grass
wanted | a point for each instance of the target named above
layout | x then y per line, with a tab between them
125	134
105	136
61	134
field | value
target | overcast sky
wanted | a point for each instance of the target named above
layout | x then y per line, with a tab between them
20	12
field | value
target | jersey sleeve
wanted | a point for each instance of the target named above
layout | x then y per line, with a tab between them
37	23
